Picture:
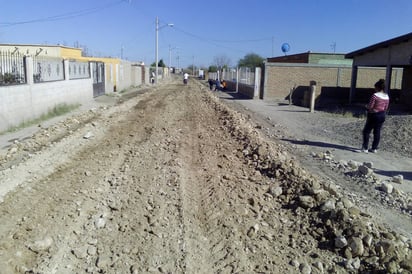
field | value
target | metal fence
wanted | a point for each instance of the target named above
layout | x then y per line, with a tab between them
12	70
46	69
243	75
79	70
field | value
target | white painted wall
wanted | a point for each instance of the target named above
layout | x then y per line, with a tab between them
20	103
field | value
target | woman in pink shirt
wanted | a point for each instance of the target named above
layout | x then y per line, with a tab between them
377	107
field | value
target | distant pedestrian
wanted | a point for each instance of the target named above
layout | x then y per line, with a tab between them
217	85
152	79
185	78
211	83
224	85
377	107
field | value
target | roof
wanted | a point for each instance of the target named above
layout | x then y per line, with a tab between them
36	45
310	58
384	44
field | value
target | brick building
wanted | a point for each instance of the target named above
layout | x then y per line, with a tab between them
390	55
331	72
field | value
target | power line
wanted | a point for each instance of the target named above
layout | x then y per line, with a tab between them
64	16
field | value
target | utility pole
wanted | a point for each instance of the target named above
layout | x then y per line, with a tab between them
193	65
273	45
170	57
157	48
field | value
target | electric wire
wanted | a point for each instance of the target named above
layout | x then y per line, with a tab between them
63	16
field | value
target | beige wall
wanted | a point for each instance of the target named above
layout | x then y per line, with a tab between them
398	54
280	78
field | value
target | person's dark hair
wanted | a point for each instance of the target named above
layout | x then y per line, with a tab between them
380	85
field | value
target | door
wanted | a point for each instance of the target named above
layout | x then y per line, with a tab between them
98	78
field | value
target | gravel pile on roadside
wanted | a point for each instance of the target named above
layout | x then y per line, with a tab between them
321	211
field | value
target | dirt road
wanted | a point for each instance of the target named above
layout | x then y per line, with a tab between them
174	181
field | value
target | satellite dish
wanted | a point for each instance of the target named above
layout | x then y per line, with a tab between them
285	48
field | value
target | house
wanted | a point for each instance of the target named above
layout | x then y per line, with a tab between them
289	77
312	58
111	74
37	78
391	55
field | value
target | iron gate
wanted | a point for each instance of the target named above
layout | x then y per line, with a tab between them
98	78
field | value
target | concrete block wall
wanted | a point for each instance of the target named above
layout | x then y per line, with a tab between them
27	102
280	78
21	103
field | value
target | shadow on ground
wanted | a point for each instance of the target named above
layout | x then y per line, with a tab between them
320	144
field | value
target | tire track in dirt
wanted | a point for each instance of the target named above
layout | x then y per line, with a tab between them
176	182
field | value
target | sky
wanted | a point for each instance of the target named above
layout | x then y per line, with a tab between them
203	31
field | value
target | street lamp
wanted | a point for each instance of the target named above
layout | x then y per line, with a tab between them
170	55
157	44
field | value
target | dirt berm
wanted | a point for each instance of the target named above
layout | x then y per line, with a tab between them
175	181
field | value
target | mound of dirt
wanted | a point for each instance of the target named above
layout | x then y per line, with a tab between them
175	181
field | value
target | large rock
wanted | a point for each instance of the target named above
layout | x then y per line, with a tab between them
356	246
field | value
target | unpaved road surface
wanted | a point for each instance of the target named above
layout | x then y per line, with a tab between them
175	181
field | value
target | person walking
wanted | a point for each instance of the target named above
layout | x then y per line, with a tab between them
377	107
217	85
211	83
185	78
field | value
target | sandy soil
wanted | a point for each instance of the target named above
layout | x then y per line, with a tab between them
176	181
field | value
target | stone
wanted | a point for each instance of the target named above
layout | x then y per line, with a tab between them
103	261
355	262
332	189
80	253
306	201
398	179
356	246
305	268
368	164
354	211
387	187
275	191
407	264
340	242
319	266
329	205
41	245
92	250
294	263
367	240
364	170
346	203
88	135
353	164
100	223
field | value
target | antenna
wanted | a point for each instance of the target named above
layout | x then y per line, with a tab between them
333	47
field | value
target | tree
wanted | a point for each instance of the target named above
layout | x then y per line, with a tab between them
251	60
161	64
212	69
221	61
